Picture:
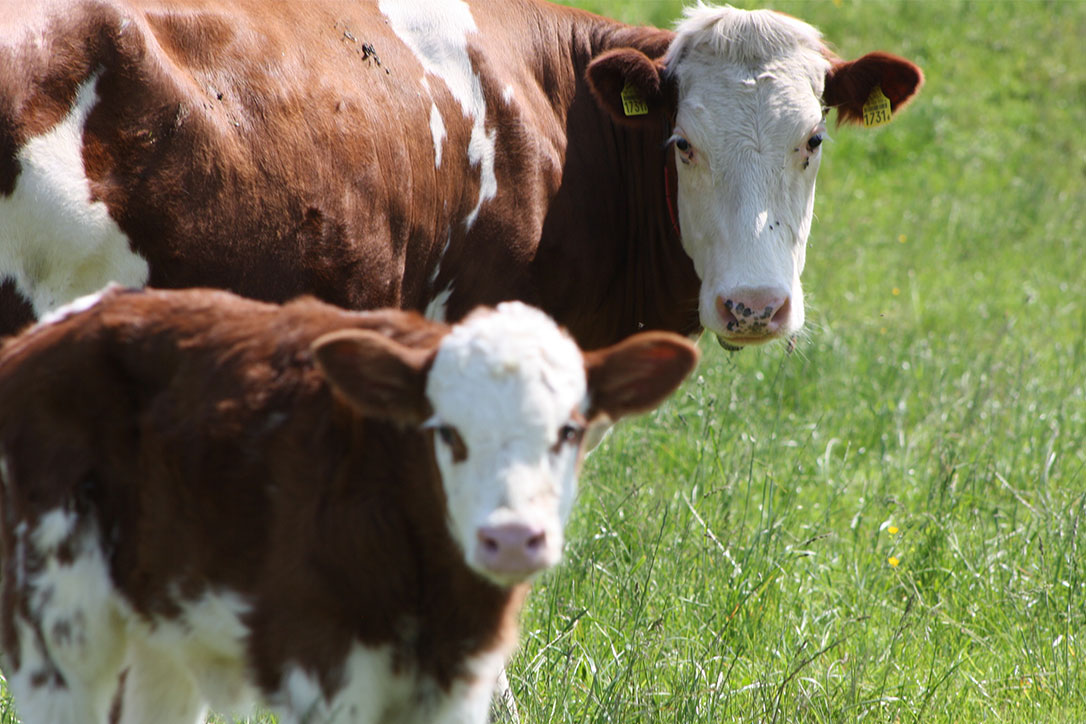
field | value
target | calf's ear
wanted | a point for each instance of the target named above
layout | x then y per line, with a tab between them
851	83
638	373
376	375
629	85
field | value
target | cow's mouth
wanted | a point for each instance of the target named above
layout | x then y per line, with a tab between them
737	344
728	345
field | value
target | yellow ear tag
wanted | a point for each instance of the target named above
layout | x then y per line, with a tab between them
876	109
632	102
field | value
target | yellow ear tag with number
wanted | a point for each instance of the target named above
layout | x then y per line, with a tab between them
632	102
876	109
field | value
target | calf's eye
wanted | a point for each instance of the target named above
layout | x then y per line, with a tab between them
682	144
814	141
451	438
570	433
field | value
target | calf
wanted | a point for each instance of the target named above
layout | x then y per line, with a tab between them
209	501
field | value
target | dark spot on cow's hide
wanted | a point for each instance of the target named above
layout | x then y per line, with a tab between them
15	310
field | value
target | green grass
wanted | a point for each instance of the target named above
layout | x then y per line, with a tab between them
731	555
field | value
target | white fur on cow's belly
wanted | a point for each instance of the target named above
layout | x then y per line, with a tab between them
81	635
55	242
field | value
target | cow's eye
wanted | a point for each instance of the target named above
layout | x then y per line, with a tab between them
570	433
686	151
451	438
815	141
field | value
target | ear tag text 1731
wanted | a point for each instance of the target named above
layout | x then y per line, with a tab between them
632	102
876	109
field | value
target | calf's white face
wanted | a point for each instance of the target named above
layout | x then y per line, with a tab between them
509	395
747	141
506	396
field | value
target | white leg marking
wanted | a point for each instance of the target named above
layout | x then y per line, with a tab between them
369	693
437	130
468	701
208	641
53	529
54	241
437	34
69	673
157	689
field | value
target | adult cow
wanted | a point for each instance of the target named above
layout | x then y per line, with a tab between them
429	155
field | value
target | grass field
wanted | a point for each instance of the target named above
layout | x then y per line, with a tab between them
889	524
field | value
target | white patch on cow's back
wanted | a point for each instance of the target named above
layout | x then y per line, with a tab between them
437	131
507	380
437	309
507	94
437	33
77	305
55	242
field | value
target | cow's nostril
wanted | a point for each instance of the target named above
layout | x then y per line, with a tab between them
753	312
780	317
724	311
490	545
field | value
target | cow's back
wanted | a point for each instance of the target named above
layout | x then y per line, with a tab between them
274	149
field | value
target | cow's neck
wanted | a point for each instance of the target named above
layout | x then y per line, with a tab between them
609	228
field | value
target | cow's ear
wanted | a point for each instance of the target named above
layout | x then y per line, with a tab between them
629	85
376	375
851	84
638	373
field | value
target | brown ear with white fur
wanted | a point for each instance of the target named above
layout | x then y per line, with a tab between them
638	373
629	85
850	83
376	375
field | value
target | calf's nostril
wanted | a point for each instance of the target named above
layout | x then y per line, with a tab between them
536	542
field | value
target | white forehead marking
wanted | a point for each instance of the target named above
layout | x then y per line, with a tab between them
506	373
719	49
55	242
745	37
437	33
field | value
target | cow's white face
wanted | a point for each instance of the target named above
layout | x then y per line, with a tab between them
747	140
508	390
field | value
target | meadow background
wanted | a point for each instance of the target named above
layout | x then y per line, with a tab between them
886	525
